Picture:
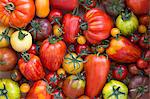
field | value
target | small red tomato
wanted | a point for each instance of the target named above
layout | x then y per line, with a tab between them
71	48
147	70
142	64
133	69
88	4
52	78
55	16
144	20
145	41
134	38
34	49
147	55
58	94
120	72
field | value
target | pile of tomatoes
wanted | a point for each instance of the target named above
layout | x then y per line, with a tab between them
74	49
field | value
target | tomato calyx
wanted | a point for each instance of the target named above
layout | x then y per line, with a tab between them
53	39
25	56
84	26
86	3
80	76
21	36
10	7
75	11
3	92
5	35
56	19
54	78
126	15
116	92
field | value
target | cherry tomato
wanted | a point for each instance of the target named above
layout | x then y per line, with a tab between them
61	71
142	29
57	30
133	69
147	70
142	64
115	31
16	75
134	38
81	40
145	20
33	49
145	41
25	87
147	55
120	72
100	49
57	94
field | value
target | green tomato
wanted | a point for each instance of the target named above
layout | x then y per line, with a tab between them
115	90
9	89
127	24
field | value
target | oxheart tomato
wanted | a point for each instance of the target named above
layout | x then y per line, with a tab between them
139	7
6	92
71	24
16	13
64	4
96	70
73	86
31	67
122	50
52	52
8	59
39	91
97	25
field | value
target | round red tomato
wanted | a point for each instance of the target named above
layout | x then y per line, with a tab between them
88	4
16	13
142	64
34	49
144	19
120	72
145	41
134	38
57	94
133	69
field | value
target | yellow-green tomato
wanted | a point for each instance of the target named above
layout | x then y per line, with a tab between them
115	90
72	64
21	41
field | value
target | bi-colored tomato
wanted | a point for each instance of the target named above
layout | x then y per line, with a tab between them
16	13
57	30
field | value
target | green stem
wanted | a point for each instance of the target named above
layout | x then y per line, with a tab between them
25	56
84	26
75	11
3	92
10	7
21	36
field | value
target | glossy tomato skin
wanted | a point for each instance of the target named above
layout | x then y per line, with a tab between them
64	4
33	49
38	91
120	72
52	54
96	70
22	13
98	25
139	7
32	69
122	50
8	59
144	41
142	64
71	28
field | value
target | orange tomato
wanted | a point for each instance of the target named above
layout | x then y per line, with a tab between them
81	40
61	71
100	49
57	30
25	87
84	97
42	8
115	31
142	29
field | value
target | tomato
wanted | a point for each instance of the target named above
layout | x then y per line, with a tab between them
127	22
39	91
16	13
115	31
133	69
96	70
96	26
6	92
61	71
55	16
64	4
34	49
145	41
74	86
81	40
138	7
57	94
84	97
52	52
100	49
142	64
8	59
134	38
42	8
31	67
23	38
144	20
40	29
122	50
57	30
147	70
5	33
71	27
88	4
25	87
16	75
71	48
72	63
142	29
120	72
115	90
147	55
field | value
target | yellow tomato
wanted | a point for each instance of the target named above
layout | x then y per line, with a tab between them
100	49
57	30
25	87
61	71
72	64
81	40
142	29
21	41
115	31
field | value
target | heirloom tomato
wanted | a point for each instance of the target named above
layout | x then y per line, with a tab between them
16	13
57	94
144	20
52	52
21	41
145	41
96	26
8	59
122	50
142	64
96	71
34	49
6	92
72	63
31	67
115	90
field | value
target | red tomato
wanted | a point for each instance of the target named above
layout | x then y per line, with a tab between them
34	49
64	4
39	91
16	13
31	67
147	55
120	72
142	64
145	41
97	25
71	27
147	70
88	4
52	79
96	70
133	69
57	94
55	16
138	6
144	20
134	38
52	52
